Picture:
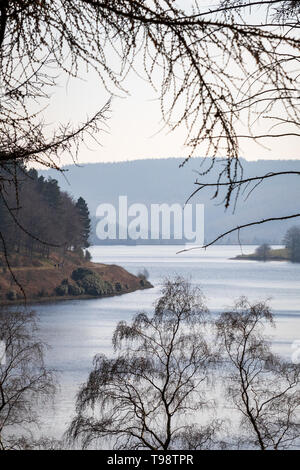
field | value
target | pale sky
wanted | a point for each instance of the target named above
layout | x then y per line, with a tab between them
133	127
135	120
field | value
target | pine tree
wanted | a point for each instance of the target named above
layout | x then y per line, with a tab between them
51	193
85	221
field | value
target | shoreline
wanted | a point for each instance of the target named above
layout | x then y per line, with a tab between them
76	279
271	254
60	298
253	258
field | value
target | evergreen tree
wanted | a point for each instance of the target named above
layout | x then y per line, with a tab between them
85	221
51	192
33	174
47	220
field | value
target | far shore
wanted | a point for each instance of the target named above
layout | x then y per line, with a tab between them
275	254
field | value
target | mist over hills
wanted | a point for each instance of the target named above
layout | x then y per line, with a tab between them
162	181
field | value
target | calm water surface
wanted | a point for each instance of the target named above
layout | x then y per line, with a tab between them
77	330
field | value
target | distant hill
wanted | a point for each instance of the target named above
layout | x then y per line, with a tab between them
162	181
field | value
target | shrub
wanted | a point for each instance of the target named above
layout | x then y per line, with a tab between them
74	289
93	285
11	295
90	283
79	273
63	289
42	293
118	287
108	287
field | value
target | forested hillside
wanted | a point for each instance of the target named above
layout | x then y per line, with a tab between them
44	236
38	218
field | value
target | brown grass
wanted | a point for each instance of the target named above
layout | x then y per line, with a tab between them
40	277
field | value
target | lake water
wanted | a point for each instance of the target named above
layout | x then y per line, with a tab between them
77	330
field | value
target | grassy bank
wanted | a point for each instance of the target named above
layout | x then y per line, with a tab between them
70	277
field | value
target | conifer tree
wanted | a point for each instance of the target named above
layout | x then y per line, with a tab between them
84	215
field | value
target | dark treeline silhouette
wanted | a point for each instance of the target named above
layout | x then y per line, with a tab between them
40	218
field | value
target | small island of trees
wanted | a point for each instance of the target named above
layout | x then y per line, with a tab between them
290	252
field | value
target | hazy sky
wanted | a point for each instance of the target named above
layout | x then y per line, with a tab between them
135	121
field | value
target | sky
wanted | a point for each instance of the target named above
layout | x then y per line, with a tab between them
133	130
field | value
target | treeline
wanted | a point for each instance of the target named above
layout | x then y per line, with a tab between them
38	218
